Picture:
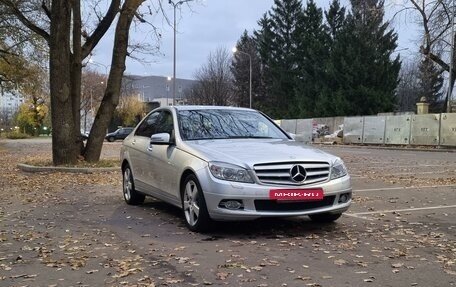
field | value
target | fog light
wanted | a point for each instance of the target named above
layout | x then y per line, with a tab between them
232	204
345	197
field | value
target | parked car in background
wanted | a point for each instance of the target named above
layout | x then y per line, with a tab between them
84	135
225	163
119	134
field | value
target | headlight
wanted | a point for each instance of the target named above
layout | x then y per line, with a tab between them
338	169
229	172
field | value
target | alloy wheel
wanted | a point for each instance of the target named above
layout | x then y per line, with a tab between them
191	206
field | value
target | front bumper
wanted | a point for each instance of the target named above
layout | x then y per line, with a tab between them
256	202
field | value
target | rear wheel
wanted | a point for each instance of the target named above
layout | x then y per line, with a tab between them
325	217
195	210
131	196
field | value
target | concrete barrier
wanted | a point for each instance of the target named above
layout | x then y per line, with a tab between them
397	130
448	130
405	129
353	130
374	129
425	129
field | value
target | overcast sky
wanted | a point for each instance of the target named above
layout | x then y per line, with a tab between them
206	25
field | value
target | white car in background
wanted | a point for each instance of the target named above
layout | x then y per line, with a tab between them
225	163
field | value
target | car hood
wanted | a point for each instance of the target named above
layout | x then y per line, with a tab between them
247	152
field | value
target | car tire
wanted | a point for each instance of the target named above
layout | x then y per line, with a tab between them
325	217
194	205
111	139
130	194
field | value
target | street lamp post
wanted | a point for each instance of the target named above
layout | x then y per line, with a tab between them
235	50
175	5
451	72
167	90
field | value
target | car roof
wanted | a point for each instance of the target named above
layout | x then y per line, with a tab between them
195	107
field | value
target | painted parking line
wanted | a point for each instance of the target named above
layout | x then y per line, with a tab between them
364	215
404	173
360	214
385	164
355	215
402	187
419	172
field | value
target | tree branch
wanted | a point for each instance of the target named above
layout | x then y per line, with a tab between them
435	58
427	35
103	26
140	18
24	20
46	9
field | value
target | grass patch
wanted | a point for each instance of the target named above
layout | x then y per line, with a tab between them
100	164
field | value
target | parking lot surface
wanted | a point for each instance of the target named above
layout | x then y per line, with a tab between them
59	229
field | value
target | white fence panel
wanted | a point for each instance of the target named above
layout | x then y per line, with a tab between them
289	126
353	130
304	130
448	130
425	129
397	129
374	129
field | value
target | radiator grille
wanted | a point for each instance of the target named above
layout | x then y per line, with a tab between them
281	173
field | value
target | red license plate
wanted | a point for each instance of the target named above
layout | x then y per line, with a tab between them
296	194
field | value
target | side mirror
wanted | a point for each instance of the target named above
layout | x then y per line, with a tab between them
160	139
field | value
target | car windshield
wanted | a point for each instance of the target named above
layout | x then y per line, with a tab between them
225	124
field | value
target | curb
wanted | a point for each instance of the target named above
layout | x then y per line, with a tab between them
32	169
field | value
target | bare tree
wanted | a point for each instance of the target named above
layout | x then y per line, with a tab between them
214	81
408	88
436	18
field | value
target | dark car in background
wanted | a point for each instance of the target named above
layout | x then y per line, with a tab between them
119	134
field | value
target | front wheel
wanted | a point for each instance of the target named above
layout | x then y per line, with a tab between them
195	210
111	139
325	217
131	196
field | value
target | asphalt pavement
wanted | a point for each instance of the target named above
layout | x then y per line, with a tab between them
60	229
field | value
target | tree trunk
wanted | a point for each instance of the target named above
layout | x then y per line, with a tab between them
112	93
76	71
447	105
60	89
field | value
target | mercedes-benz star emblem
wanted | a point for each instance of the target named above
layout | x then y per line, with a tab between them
298	173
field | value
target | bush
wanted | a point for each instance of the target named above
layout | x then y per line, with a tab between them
16	135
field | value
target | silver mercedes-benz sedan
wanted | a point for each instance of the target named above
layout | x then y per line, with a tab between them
225	163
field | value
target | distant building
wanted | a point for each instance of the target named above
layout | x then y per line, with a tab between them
157	89
9	105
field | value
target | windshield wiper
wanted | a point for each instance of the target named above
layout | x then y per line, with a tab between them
250	137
